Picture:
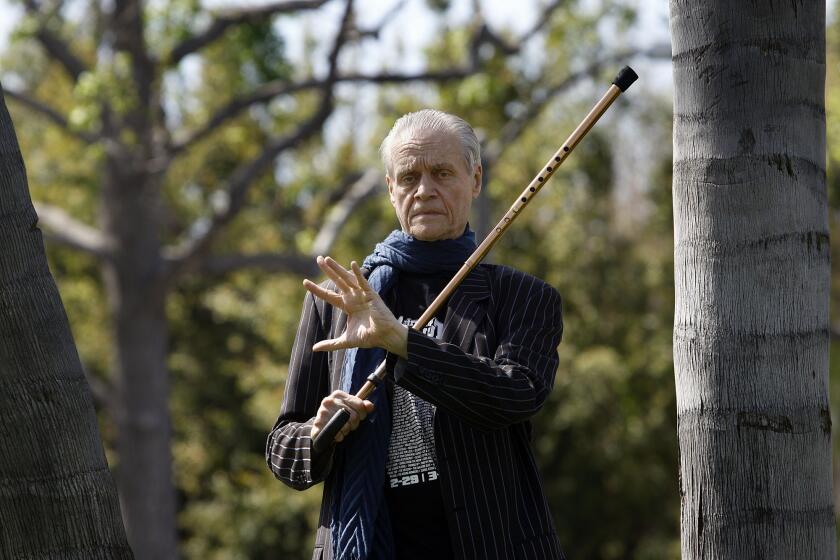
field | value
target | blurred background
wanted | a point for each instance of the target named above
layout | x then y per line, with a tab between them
220	146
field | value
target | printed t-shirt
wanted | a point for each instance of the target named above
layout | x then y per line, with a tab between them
412	487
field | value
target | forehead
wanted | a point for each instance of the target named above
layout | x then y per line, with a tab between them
427	148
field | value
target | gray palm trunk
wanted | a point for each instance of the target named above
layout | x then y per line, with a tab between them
752	273
57	496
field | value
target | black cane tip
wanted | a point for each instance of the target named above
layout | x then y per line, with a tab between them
625	78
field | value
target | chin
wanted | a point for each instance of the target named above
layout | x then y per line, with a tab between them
430	233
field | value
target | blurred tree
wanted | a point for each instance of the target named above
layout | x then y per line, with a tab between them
58	496
752	279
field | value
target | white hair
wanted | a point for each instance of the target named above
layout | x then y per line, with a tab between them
432	119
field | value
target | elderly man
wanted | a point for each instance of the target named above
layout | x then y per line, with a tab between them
438	464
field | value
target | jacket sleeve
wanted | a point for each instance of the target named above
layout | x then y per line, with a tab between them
289	447
509	387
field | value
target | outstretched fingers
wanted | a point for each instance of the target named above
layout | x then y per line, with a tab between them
324	265
360	279
343	278
318	291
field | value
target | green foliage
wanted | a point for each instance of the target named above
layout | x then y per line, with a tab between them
605	439
229	350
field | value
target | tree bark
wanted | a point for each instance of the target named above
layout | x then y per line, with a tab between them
57	496
752	274
136	289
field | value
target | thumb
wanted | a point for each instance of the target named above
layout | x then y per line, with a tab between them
332	344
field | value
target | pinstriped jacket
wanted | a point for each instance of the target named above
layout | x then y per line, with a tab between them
489	374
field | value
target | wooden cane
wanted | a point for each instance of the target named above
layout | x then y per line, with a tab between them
623	80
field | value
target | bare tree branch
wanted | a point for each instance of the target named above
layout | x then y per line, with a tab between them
487	35
542	20
493	150
515	126
219	265
335	194
278	88
274	89
50	113
355	193
389	16
296	263
341	212
189	254
55	46
66	230
127	27
230	17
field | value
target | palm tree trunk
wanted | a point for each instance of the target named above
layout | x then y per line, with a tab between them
57	496
751	328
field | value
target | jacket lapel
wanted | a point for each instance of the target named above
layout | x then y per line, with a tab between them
467	308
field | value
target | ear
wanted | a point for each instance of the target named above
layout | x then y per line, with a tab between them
476	190
390	189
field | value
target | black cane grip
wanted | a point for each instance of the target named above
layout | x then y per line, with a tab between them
625	78
325	438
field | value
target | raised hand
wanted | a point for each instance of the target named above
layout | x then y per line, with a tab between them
370	324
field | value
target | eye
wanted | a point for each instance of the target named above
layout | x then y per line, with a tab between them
444	173
408	179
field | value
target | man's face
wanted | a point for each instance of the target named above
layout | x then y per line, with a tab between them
431	188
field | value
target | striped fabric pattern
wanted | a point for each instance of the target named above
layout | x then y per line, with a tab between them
489	374
359	508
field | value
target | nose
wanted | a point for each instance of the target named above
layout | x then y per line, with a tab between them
426	188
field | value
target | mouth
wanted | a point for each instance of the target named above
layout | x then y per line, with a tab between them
426	213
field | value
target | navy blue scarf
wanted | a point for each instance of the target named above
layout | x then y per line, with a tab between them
360	526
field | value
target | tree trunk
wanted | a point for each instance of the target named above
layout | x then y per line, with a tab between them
136	289
57	496
752	272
